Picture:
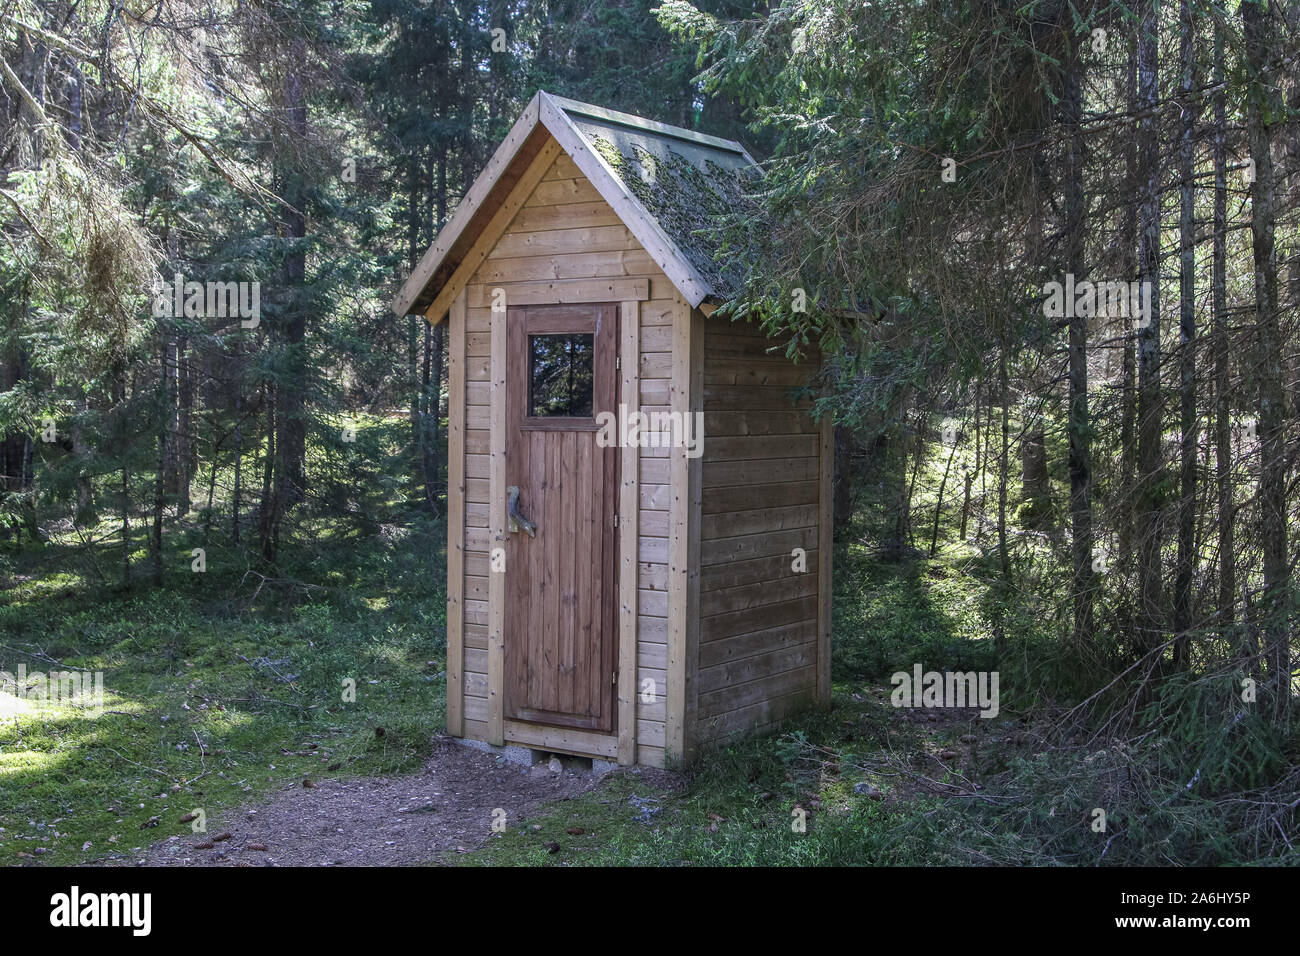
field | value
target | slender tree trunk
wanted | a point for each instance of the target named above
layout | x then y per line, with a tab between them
1079	425
184	437
16	447
844	445
975	470
290	444
938	506
119	399
169	389
1035	487
85	514
166	409
918	459
236	496
969	478
1185	561
212	494
126	527
414	391
982	465
1263	107
433	346
1225	510
433	406
1004	556
1150	417
1125	496
269	509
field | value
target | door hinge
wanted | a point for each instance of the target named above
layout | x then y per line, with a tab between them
614	678
615	521
618	361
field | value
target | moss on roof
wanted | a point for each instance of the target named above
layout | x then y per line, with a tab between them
689	202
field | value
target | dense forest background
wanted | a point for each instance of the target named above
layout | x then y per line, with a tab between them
1100	504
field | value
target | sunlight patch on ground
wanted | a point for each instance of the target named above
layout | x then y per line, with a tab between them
10	705
24	761
86	707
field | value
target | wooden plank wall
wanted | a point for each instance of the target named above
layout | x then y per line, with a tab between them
652	523
761	490
566	232
477	442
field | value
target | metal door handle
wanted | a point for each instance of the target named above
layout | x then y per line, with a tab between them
517	520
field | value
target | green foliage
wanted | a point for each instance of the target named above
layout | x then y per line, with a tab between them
1228	743
891	616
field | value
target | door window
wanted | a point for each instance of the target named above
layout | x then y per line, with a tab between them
561	370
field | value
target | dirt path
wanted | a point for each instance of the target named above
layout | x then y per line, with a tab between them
447	808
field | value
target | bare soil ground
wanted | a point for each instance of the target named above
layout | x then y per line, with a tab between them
428	817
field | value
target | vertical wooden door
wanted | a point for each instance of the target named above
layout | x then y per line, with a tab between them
561	582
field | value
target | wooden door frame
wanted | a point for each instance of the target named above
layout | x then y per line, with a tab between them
589	567
622	744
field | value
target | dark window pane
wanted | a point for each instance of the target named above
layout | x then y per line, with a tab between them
561	375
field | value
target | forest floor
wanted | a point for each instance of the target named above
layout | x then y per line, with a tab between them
223	697
219	704
450	807
287	709
853	785
474	808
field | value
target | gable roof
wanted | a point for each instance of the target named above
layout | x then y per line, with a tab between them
665	183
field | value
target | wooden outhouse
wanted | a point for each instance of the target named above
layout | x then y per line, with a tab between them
620	586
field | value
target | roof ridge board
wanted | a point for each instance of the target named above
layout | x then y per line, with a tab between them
633	121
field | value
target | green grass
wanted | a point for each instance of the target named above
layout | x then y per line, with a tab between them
742	805
220	687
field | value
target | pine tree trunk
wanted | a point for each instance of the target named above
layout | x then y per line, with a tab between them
1004	556
270	507
433	414
236	494
938	506
433	345
1034	482
1150	411
1185	561
167	389
1262	107
287	462
413	322
186	459
843	475
119	399
1225	510
1124	495
15	447
166	410
1078	417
